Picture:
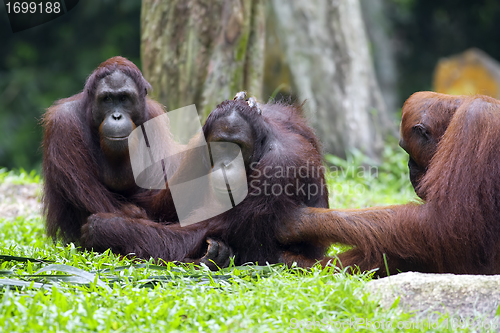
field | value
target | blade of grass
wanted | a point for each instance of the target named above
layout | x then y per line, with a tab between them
23	259
20	283
76	271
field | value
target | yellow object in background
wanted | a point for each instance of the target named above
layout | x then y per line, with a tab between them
468	73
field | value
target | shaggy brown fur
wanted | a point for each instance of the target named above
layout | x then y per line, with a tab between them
425	118
74	164
272	138
455	231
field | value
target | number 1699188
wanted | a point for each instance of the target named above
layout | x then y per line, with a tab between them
33	7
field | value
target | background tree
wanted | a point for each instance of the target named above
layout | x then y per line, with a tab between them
202	52
52	61
327	51
382	45
195	53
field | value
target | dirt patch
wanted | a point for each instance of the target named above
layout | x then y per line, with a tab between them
16	200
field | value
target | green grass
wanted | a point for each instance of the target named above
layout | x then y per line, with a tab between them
103	292
19	177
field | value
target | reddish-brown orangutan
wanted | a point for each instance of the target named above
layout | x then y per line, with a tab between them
86	160
86	163
455	231
424	119
283	173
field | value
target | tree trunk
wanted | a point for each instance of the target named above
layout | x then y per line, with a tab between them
327	51
379	31
201	51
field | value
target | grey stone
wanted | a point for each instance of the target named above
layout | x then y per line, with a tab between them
471	300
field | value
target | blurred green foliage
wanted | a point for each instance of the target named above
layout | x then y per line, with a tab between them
427	30
52	61
359	182
20	176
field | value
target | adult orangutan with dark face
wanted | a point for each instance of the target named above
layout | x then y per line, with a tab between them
86	160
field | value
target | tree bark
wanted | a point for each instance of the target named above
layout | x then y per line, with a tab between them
382	45
327	51
201	51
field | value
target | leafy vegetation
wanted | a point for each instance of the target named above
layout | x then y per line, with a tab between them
21	177
51	287
360	182
52	61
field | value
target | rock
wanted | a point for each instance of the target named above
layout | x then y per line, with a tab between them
471	300
468	73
